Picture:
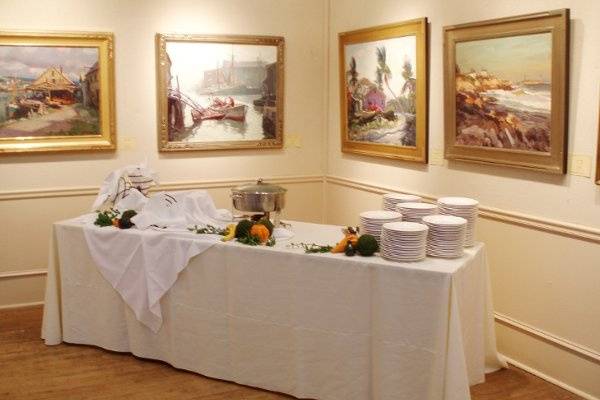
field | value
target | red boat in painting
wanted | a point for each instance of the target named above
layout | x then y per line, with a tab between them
220	109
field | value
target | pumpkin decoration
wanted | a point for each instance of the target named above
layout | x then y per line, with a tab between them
261	232
343	244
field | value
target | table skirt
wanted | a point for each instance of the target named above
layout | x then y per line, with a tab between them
318	326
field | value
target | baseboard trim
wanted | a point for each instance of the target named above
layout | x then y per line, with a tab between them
573	231
21	305
572	347
549	379
186	185
23	273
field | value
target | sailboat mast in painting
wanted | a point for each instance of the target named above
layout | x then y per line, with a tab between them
220	92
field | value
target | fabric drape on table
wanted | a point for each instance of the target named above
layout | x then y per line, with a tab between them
51	328
143	265
319	326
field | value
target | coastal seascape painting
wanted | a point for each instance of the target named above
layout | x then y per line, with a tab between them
383	91
506	91
52	92
220	92
503	92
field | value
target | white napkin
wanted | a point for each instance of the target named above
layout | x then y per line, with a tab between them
134	200
180	210
109	191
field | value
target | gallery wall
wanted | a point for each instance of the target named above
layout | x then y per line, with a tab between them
542	231
567	198
36	190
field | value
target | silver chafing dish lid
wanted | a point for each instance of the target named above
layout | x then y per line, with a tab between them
260	187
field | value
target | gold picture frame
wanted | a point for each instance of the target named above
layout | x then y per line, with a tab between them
223	98
59	96
374	120
514	111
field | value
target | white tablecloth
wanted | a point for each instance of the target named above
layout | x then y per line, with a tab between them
320	326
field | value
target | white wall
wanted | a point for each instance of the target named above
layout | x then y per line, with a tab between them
566	198
134	24
545	282
27	220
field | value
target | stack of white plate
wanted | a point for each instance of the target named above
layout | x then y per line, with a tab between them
461	207
371	221
414	212
391	199
403	241
446	237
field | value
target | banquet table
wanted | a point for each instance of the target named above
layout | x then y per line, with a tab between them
318	326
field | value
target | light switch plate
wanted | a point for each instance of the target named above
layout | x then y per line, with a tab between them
580	165
436	157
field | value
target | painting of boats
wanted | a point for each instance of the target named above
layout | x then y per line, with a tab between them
49	96
220	92
220	109
51	93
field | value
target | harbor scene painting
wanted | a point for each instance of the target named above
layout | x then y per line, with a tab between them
504	92
381	90
49	91
222	93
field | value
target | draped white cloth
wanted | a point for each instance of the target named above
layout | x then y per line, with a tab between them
143	265
321	326
181	210
123	182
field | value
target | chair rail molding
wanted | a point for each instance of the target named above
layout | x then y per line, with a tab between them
22	273
577	349
574	231
186	185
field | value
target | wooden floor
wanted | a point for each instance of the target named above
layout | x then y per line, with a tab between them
30	370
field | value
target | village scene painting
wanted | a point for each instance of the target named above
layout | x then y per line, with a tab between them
221	92
48	91
503	92
381	87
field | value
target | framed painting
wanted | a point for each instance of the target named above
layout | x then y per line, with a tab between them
219	92
56	92
383	91
506	89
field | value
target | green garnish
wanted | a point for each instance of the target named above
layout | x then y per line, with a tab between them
209	230
311	247
105	218
249	240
